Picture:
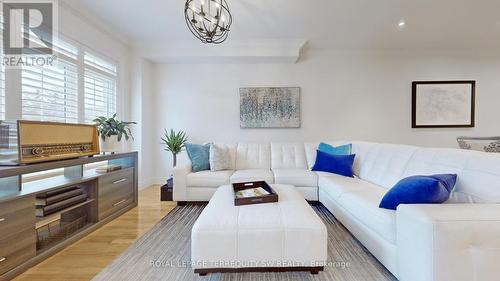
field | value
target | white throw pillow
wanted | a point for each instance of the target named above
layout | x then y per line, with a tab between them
220	158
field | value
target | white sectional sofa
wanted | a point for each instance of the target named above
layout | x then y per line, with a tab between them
458	240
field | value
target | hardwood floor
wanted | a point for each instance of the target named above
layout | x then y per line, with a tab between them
87	257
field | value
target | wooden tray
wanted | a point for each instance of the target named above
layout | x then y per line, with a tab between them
270	198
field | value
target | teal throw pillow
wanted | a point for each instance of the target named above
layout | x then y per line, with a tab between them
199	156
345	149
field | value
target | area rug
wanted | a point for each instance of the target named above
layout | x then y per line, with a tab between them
163	253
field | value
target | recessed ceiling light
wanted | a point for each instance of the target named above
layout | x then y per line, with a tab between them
401	24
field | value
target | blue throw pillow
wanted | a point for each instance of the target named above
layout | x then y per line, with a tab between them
419	190
336	164
199	156
335	150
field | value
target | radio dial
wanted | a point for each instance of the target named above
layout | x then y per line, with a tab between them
85	147
37	151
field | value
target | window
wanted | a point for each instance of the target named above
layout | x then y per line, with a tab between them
50	93
100	88
77	88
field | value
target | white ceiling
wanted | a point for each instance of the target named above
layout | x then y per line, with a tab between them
340	24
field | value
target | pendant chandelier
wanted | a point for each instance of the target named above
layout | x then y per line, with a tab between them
208	20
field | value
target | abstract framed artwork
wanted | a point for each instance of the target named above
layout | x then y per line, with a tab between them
443	104
270	107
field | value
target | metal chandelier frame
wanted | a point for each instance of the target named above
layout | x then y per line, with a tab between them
210	21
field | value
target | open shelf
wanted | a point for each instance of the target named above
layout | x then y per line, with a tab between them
43	221
91	173
128	159
51	183
40	251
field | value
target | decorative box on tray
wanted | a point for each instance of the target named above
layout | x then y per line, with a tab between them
247	193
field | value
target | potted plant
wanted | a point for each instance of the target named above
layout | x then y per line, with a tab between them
112	131
174	142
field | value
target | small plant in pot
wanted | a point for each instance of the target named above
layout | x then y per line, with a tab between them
112	131
174	142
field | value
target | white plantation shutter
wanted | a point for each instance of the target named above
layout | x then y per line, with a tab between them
50	93
101	64
78	87
100	88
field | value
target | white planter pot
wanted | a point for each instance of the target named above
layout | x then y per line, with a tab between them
111	144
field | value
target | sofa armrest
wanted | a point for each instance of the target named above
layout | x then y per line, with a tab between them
448	242
180	178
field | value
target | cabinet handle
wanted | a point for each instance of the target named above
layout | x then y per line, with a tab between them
2	259
119	181
119	202
2	219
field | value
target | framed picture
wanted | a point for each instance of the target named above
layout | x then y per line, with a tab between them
443	104
270	107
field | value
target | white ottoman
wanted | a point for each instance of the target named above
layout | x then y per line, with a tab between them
282	236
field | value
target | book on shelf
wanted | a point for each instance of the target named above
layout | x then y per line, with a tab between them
107	168
49	209
58	197
56	191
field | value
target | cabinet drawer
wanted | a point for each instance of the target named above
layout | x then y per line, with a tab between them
126	175
16	249
16	215
115	192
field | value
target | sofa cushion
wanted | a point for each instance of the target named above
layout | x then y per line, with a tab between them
336	185
433	189
288	156
232	152
208	178
337	164
199	156
297	177
253	156
253	175
345	149
363	205
311	147
220	158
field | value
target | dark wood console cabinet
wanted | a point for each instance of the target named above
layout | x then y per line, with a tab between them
22	241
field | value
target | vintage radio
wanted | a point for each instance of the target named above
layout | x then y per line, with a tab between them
24	142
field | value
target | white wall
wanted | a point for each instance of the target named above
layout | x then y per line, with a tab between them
345	95
141	112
